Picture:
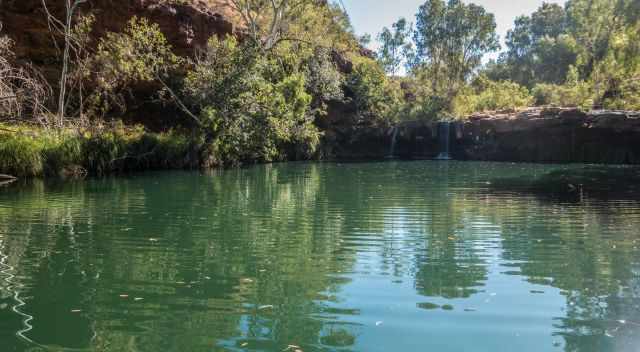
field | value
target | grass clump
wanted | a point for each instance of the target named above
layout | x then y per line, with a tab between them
29	152
20	155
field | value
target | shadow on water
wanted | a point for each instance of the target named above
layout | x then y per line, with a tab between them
576	183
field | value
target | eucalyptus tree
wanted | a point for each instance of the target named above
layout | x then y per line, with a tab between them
267	21
451	38
538	47
393	44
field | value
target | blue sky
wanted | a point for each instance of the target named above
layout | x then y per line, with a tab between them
369	16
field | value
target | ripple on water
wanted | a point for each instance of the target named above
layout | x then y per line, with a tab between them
320	257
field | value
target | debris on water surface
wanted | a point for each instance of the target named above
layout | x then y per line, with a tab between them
428	306
378	323
124	296
138	299
470	309
76	310
268	306
447	307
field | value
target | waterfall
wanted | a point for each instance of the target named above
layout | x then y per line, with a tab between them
444	145
394	137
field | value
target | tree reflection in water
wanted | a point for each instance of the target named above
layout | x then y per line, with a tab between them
315	257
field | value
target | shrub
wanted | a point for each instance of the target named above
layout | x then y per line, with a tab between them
485	95
376	99
254	106
323	80
61	152
20	155
576	95
139	54
23	91
624	96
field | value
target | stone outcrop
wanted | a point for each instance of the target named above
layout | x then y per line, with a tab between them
553	135
550	135
187	25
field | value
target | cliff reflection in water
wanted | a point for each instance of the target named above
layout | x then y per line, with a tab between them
317	257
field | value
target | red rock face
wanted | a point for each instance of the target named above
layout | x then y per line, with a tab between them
187	27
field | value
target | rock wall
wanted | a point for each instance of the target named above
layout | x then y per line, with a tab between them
534	135
553	135
186	24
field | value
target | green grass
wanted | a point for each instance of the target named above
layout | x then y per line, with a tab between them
30	152
20	155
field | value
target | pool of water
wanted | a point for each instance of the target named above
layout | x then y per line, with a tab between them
388	256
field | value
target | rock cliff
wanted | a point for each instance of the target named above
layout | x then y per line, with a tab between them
186	24
553	135
550	135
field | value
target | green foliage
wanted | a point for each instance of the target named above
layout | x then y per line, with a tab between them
61	151
375	98
583	55
139	54
451	38
254	105
393	44
323	80
20	155
37	152
578	94
487	95
539	49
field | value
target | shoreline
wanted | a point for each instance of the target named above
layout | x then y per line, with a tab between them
535	135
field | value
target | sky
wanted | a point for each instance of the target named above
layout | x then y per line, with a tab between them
369	16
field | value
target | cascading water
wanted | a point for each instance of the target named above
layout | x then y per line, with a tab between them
444	132
394	138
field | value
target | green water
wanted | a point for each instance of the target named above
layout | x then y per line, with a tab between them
395	256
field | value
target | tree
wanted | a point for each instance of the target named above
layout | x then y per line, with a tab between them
592	23
451	39
392	43
66	29
252	105
267	21
373	95
539	49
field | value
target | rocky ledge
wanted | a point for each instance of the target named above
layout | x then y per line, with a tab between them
542	135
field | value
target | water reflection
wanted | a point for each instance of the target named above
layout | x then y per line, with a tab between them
318	257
